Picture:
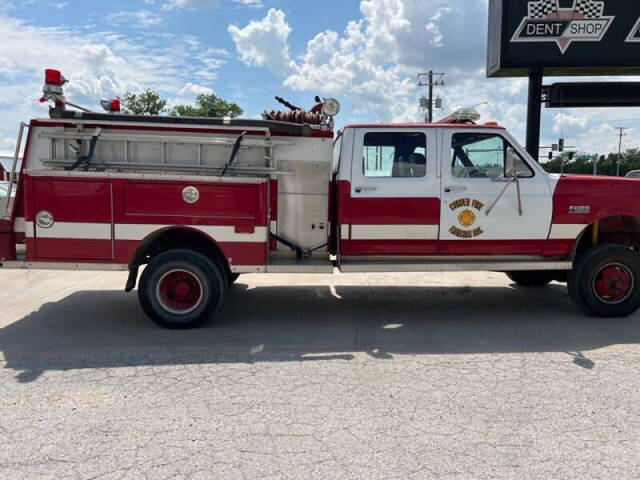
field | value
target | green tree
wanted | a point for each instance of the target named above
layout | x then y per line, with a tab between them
147	102
208	105
607	164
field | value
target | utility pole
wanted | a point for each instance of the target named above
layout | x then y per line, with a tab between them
622	134
430	80
430	117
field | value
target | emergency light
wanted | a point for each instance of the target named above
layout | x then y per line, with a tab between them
52	90
54	77
462	115
331	107
111	106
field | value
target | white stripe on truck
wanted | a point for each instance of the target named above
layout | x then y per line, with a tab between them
102	231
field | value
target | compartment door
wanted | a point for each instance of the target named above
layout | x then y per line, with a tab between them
82	220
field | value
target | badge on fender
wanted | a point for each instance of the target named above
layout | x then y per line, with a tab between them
579	209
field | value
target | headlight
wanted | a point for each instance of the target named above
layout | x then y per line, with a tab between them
331	107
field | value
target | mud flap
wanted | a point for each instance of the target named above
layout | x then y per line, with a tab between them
131	281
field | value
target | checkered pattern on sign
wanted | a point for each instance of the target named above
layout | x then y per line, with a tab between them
542	8
589	8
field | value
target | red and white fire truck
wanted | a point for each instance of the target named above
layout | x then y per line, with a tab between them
200	201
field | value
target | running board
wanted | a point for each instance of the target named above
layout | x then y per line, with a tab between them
281	265
83	267
454	266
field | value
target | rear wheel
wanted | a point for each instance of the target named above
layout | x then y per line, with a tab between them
233	277
181	289
605	281
532	279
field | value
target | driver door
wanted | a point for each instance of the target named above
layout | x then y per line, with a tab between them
481	212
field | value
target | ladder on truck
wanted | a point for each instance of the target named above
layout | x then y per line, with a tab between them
6	204
193	153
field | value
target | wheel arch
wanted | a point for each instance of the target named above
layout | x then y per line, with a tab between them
170	238
615	229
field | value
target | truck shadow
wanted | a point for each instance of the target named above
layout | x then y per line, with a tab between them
96	329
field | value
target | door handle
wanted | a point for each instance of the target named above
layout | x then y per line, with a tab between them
455	189
366	189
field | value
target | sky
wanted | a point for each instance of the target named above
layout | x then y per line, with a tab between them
365	53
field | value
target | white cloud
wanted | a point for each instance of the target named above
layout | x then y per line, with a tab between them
172	4
188	93
140	18
250	3
562	121
192	4
264	42
372	66
374	61
98	65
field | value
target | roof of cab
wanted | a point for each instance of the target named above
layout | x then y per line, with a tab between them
491	125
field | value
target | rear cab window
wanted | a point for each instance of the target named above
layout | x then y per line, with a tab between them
394	155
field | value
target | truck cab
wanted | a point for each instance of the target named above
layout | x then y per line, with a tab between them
446	190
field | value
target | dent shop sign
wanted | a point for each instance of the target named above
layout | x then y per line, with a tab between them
547	22
564	37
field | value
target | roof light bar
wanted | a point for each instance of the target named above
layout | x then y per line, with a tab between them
462	115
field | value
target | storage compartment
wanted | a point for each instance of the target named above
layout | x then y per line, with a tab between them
80	219
303	204
217	203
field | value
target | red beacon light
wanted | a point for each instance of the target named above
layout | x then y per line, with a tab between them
52	90
54	77
111	106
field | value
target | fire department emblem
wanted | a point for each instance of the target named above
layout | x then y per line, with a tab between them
634	35
548	22
468	211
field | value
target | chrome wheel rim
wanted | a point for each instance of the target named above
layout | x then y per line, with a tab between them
179	292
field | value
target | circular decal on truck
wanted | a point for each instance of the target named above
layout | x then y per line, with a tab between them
468	211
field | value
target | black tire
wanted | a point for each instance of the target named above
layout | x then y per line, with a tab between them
619	296
532	278
233	277
181	289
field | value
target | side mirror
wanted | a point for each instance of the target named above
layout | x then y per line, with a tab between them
510	163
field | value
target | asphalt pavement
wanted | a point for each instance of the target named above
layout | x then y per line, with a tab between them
460	376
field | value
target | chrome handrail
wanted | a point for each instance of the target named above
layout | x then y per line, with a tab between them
14	166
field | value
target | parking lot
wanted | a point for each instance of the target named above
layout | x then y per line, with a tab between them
346	376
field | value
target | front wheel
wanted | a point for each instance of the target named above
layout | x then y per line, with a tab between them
181	289
605	281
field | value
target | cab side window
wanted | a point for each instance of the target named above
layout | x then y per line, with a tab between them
394	155
483	155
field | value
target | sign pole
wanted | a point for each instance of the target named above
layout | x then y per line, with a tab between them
534	112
